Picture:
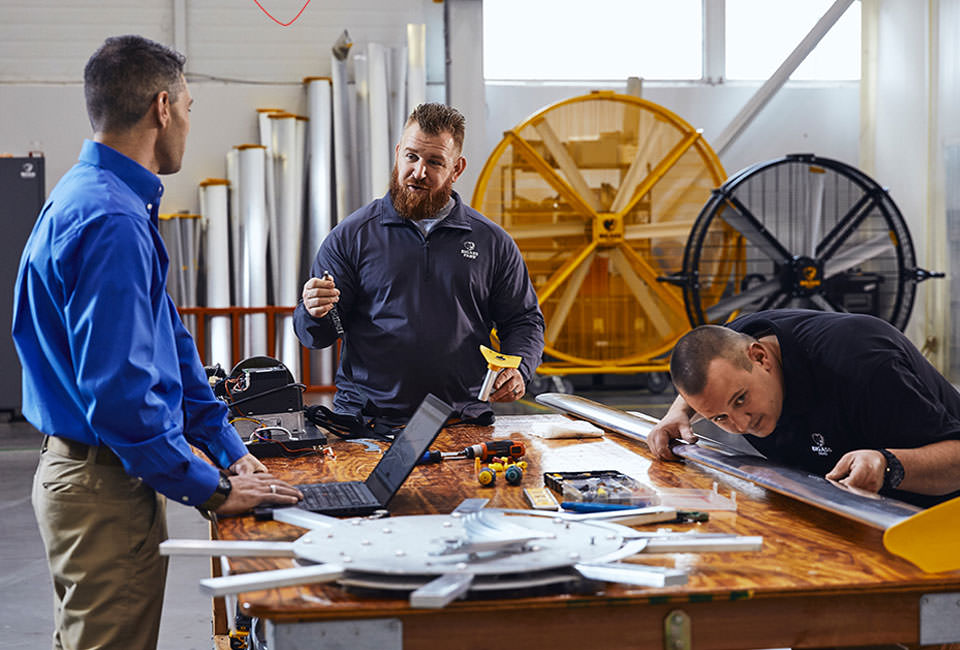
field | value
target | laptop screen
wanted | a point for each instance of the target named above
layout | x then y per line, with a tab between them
407	448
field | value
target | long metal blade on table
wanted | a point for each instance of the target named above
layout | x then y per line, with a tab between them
868	508
927	538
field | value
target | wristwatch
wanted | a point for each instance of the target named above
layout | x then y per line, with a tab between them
219	495
893	475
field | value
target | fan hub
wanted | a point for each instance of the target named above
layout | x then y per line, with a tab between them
806	276
608	229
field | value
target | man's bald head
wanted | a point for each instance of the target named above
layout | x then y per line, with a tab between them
698	348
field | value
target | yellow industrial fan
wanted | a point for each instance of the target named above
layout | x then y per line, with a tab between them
600	193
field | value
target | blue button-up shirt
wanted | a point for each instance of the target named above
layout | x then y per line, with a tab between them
106	359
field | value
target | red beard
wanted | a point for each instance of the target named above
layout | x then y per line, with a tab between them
414	205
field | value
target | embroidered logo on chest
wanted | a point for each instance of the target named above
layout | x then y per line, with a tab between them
819	447
469	250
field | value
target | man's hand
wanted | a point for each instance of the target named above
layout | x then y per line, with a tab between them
675	424
251	489
508	386
319	296
248	464
863	468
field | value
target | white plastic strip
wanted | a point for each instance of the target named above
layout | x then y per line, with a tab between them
416	66
320	97
253	216
216	246
378	121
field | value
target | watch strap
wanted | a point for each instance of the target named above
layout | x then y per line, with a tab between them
893	474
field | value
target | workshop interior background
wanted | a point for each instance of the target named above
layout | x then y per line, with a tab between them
880	92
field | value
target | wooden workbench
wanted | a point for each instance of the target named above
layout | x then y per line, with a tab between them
819	581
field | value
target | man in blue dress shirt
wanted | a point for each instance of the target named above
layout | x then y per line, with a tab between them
110	375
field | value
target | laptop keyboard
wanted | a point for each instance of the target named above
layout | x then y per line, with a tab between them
324	496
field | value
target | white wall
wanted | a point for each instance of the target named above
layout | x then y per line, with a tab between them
258	63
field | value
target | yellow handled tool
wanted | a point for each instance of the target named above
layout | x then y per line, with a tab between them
496	362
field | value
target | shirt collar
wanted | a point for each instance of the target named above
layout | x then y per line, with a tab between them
141	180
456	216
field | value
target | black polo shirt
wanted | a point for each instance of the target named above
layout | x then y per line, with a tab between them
851	381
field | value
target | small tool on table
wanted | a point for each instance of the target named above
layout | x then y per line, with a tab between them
484	451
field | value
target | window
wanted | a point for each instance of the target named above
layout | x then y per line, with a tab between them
592	40
760	34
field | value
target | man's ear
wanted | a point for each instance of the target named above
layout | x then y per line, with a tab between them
458	167
161	108
757	353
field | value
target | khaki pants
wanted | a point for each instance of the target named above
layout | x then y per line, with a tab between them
101	529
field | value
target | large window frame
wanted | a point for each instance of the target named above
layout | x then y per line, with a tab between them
713	53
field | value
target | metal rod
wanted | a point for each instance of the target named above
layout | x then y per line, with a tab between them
770	87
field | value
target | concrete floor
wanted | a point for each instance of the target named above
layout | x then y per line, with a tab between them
26	617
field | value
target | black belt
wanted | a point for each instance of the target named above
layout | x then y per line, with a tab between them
80	451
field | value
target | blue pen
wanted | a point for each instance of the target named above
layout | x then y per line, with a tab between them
586	506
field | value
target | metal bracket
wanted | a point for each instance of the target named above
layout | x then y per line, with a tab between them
940	618
676	631
370	634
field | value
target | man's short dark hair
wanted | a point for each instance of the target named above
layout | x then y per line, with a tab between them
436	119
696	349
123	77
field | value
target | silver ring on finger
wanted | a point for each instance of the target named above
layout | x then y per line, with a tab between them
273	488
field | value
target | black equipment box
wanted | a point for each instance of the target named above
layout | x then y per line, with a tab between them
268	390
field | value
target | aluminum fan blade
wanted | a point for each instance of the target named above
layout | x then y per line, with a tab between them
566	163
727	306
676	229
550	231
856	255
740	218
815	209
822	303
569	297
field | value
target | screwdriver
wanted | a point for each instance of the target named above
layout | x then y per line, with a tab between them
334	312
483	451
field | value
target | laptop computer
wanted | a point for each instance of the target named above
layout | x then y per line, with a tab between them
364	497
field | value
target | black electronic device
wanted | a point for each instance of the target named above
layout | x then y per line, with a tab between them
265	390
365	497
22	191
266	408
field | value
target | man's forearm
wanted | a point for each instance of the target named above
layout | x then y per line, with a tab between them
931	469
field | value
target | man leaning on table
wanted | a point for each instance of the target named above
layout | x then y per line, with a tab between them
846	396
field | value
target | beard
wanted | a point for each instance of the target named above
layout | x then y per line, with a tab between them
414	205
